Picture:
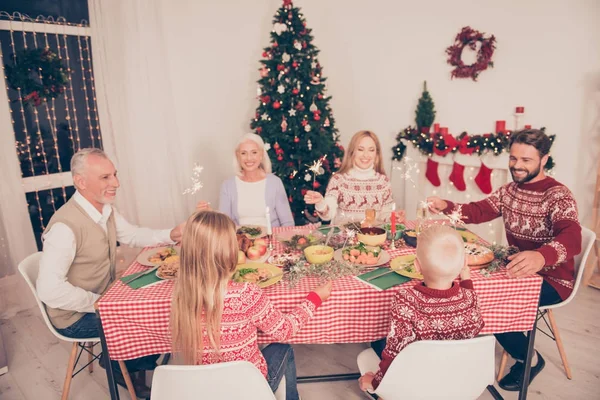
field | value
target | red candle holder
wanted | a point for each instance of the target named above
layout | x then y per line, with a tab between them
527	126
500	126
520	110
436	128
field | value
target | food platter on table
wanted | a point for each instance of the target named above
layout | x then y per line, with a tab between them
281	259
299	238
159	255
168	271
252	231
264	275
363	253
405	266
478	256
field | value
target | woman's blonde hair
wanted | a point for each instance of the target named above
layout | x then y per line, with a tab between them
265	164
209	255
348	161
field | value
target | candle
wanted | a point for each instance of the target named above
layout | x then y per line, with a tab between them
269	230
393	221
444	130
520	110
500	126
436	128
527	126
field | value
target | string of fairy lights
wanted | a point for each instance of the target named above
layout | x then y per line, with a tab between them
31	148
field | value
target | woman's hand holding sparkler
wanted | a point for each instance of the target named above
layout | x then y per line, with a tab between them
312	197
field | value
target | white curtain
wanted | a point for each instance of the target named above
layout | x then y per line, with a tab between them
137	111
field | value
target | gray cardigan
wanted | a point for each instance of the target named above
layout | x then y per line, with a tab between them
275	198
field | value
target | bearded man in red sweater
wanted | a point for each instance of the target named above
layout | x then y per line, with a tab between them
540	218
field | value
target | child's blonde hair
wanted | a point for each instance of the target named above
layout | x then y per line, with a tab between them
209	255
440	253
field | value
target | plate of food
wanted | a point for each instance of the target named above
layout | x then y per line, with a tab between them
283	258
158	256
478	256
372	256
252	250
299	239
263	275
252	231
168	271
468	236
405	266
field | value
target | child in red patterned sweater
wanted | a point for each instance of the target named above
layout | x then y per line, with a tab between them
437	308
216	320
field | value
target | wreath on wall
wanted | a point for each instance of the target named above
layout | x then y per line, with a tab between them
469	37
39	74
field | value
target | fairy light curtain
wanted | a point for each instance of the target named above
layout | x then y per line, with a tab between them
49	122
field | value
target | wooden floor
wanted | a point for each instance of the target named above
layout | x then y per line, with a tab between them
37	361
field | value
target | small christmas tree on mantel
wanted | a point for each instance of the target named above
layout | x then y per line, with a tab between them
293	115
425	113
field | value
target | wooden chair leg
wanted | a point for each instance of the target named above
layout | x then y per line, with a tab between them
503	361
559	344
90	347
70	367
128	381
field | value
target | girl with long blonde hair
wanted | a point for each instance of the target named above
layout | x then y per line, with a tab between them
360	183
216	320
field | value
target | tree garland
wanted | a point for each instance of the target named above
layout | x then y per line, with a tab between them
444	144
39	74
469	37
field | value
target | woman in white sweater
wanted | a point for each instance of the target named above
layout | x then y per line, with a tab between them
359	185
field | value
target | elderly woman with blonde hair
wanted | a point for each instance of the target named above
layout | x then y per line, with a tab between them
246	196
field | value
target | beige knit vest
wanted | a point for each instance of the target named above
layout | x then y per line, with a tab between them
93	268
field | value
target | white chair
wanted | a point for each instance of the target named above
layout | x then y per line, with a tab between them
436	369
588	238
222	381
29	268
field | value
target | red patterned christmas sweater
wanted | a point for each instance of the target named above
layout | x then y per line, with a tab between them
540	216
422	313
246	310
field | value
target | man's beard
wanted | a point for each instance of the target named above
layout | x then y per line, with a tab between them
528	177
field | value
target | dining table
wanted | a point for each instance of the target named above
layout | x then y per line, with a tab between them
135	322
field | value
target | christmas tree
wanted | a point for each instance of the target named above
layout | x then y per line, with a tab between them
425	113
293	115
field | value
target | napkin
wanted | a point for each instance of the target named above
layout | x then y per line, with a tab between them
383	282
143	281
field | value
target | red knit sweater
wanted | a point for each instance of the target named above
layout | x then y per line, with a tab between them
539	216
246	310
421	313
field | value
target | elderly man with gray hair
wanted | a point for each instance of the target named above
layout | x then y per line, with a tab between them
78	260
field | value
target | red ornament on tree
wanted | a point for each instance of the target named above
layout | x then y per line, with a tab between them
280	67
276	146
319	96
316	185
316	116
295	91
276	105
275	44
264	54
304	122
258	130
295	64
280	157
296	139
303	192
265	99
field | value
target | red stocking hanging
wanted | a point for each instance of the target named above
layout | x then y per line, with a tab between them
432	172
484	179
457	177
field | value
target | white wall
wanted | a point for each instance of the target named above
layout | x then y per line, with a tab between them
376	55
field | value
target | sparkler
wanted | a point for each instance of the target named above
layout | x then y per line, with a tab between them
196	182
317	168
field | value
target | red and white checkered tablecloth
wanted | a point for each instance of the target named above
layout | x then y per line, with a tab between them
136	322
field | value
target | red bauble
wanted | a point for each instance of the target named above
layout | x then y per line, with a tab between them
295	91
316	116
276	105
258	130
264	54
303	45
275	44
280	157
316	185
304	122
303	191
280	67
296	139
290	199
319	96
276	146
295	64
266	99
